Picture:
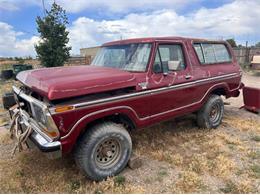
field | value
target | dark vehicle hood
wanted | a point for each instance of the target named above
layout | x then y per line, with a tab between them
64	82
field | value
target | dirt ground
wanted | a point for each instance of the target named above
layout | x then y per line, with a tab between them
177	157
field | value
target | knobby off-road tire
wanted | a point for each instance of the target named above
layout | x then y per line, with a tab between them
103	151
211	114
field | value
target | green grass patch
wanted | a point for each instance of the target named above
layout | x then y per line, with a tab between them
119	180
254	154
6	67
256	170
230	188
74	185
162	173
256	138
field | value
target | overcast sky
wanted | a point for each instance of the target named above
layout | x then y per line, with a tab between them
93	22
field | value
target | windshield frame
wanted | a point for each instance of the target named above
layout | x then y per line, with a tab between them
134	71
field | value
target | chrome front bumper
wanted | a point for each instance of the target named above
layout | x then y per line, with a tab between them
52	149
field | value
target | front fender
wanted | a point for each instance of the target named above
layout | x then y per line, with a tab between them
70	139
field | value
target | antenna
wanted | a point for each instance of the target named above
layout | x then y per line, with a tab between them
43	7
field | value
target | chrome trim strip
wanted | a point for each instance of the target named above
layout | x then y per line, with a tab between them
150	92
188	105
28	98
144	118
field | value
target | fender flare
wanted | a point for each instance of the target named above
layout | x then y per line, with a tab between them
220	86
228	92
79	126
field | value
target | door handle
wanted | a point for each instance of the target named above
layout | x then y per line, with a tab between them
187	76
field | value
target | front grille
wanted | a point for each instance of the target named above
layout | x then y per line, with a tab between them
27	108
25	105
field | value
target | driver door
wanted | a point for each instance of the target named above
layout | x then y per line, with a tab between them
173	56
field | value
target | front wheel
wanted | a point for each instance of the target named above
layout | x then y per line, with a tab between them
103	151
211	114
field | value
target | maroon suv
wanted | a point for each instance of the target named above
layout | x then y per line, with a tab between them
130	84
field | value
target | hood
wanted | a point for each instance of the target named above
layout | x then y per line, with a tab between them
63	82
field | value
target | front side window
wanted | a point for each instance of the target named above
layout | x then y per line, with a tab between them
157	67
209	53
130	57
169	56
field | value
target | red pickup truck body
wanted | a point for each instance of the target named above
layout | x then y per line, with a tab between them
82	95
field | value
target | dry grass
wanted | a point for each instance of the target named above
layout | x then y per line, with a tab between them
240	187
177	158
188	182
244	125
7	64
111	186
199	164
222	166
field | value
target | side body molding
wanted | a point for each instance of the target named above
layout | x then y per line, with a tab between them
70	139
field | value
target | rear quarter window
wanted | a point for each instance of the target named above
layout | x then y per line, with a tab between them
221	53
212	53
209	53
199	52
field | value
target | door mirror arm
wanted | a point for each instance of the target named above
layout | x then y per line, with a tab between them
165	69
165	73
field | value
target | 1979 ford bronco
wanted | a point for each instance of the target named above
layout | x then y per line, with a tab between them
131	84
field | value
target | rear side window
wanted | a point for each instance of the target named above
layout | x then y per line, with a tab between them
209	53
221	53
199	52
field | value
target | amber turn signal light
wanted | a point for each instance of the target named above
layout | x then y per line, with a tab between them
63	108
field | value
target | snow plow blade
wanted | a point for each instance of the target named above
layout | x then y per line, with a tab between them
251	98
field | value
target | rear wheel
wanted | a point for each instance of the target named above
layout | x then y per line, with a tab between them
211	114
103	151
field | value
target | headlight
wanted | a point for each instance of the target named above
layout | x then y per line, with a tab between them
43	117
38	114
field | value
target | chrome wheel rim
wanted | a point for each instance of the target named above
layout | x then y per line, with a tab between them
107	153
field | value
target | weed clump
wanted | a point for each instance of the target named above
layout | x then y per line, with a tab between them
189	181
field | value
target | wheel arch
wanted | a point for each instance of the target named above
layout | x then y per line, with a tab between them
123	114
217	89
221	89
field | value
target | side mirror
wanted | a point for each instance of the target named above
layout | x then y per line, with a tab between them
174	65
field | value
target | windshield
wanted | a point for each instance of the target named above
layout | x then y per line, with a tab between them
130	57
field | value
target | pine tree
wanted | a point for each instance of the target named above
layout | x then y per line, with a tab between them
52	50
232	42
